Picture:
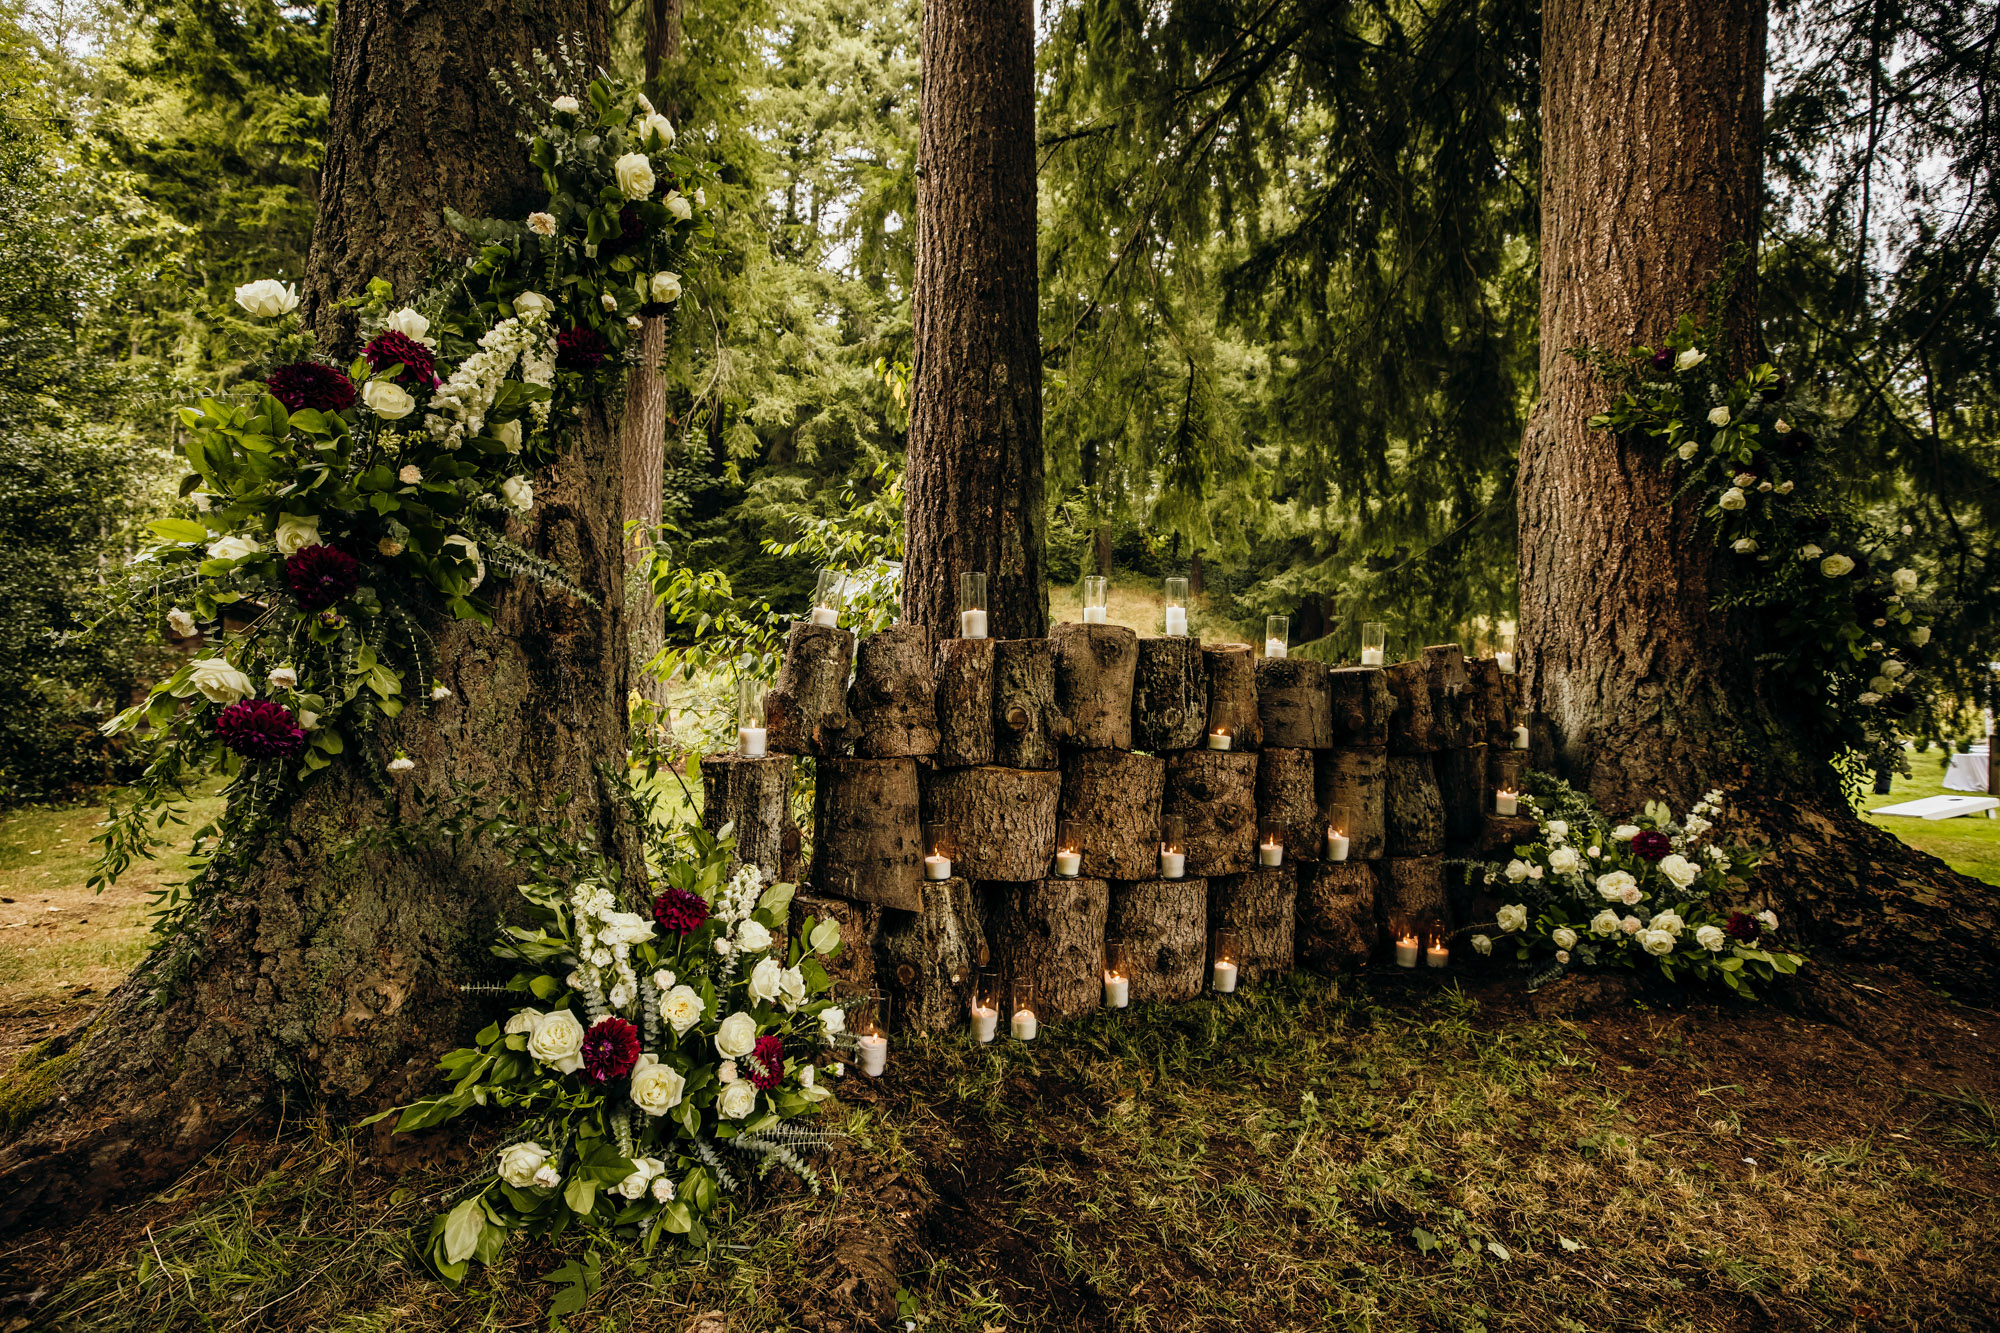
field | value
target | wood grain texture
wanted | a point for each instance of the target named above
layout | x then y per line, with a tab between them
1163	924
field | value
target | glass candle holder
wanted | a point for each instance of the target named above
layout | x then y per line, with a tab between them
1223	977
1374	643
1503	653
1506	802
1069	849
1176	602
939	847
1096	599
1436	952
1021	1021
1277	635
1173	847
829	594
1270	843
751	736
871	1034
1339	824
985	1006
971	606
1409	946
1117	978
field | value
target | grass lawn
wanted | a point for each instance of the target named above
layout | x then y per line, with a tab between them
1969	845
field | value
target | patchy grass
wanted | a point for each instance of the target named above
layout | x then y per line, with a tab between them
1970	845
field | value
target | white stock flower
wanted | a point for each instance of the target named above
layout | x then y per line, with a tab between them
1564	937
1921	635
283	678
1659	943
656	1088
1612	887
665	287
663	1190
635	176
1670	922
752	936
737	1101
1835	565
736	1036
1604	923
520	1161
181	623
387	399
1744	545
655	123
636	1185
233	548
557	1041
267	298
412	326
763	983
218	681
663	981
726	1072
1625	833
1718	416
1711	938
834	1021
1681	871
530	306
296	531
1905	581
519	493
565	104
548	1177
681	1007
678	205
542	224
1513	917
1689	359
1558	829
1733	498
1565	860
1482	945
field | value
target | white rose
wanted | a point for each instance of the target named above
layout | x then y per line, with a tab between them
1482	945
509	434
181	623
233	548
635	176
412	326
1810	552
764	979
752	936
1630	925
1680	870
1656	942
267	298
656	123
1718	416
1604	923
1905	581
1782	426
531	306
1612	887
1880	684
283	678
1763	485
1711	938
835	1021
524	1020
1768	919
682	1008
678	205
640	1181
1784	487
1565	861
219	682
737	1101
542	224
1744	545
1558	828
557	1040
520	1161
663	1190
410	475
792	987
518	492
1564	937
1733	498
1835	565
1625	833
295	532
1689	359
567	105
737	1036
1670	922
1688	451
1921	635
1513	917
386	399
656	1088
1868	698
1517	871
665	287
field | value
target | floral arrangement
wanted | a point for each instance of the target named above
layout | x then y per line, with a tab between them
329	512
1850	619
1651	895
653	1048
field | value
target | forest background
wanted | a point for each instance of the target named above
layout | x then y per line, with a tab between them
1288	301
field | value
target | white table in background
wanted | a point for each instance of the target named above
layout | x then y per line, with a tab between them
1968	772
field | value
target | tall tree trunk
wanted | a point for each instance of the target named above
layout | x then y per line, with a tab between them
331	975
1652	177
973	496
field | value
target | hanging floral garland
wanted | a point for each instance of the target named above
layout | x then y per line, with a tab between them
1846	619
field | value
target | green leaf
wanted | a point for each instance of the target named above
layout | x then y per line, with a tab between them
1426	1242
463	1227
580	1194
825	937
178	530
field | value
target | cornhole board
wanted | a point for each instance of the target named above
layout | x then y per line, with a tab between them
1942	807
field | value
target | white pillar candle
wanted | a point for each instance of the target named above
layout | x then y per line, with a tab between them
1274	647
1506	661
1225	976
750	741
1025	1027
825	615
1177	620
937	867
971	624
874	1052
1117	991
985	1022
1521	737
1437	956
1173	864
1270	854
1406	952
1336	846
1506	803
1068	863
1371	657
1093	615
1218	740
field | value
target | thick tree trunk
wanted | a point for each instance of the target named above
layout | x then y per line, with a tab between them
1361	705
1095	668
867	839
1415	824
926	960
1215	793
806	710
1287	799
1336	927
973	493
1232	694
1294	703
1411	896
335	977
1358	781
1163	924
1261	908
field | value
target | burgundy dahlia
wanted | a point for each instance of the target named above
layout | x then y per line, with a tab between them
631	228
393	348
766	1065
308	384
1651	844
610	1049
321	575
260	729
679	911
1663	359
581	348
1742	926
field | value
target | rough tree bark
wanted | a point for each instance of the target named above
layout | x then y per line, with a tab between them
893	700
1163	924
806	710
754	795
1026	722
965	702
334	978
867	839
1261	908
973	492
1651	126
1095	669
926	960
1169	695
1003	820
1112	798
1051	932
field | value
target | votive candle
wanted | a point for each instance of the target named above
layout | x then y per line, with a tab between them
1407	947
874	1053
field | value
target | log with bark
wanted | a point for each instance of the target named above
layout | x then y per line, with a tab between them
1095	669
1002	821
806	710
1294	703
1506	770
1411	897
1287	800
1461	776
852	965
1361	703
894	697
1336	920
1414	823
926	960
1111	800
1232	694
1357	780
1260	907
1411	730
965	702
1170	695
1451	696
1501	834
1214	792
1163	925
1026	722
1050	932
754	795
1491	708
867	837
